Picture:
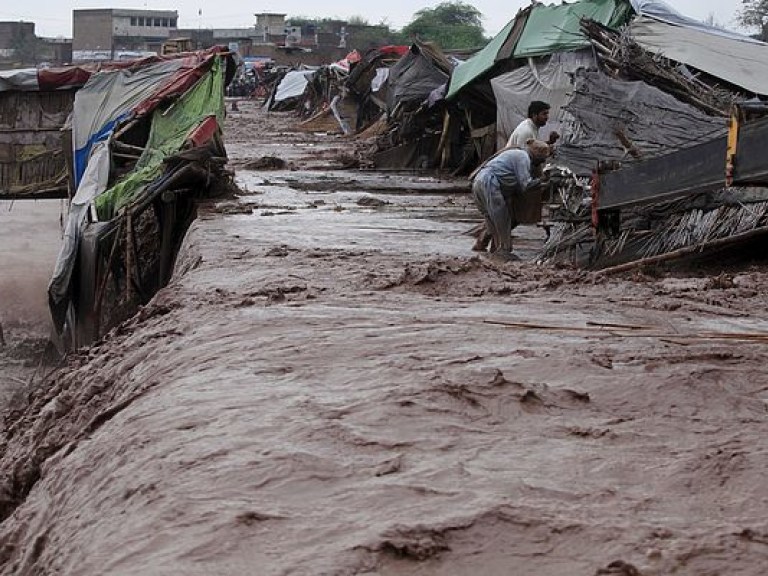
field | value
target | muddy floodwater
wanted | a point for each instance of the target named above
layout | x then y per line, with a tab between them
30	235
333	383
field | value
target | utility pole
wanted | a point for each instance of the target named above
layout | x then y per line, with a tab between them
199	26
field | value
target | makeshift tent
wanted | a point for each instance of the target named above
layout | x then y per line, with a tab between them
164	106
366	80
536	31
109	98
191	113
422	69
291	88
414	122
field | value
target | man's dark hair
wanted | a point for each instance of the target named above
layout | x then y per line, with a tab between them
537	106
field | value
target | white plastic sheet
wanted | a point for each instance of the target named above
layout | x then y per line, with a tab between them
740	61
547	79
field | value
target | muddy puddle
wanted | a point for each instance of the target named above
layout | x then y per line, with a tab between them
330	386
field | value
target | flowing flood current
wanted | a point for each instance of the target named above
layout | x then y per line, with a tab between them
333	383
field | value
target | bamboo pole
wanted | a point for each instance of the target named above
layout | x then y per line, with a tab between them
128	256
103	285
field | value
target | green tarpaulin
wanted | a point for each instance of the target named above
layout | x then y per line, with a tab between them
556	28
171	127
548	29
481	62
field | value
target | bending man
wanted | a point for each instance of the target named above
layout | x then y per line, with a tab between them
504	175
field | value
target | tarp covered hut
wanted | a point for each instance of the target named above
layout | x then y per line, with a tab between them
289	90
366	80
414	121
310	91
146	142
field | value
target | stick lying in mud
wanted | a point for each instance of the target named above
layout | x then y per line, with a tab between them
635	331
2	337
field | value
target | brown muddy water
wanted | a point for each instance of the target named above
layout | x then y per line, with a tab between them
30	235
333	383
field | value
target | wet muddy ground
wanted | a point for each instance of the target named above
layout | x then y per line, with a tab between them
333	383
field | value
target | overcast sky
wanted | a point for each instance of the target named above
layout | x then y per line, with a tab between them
54	17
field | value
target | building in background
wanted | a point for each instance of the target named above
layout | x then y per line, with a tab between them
270	28
20	47
116	33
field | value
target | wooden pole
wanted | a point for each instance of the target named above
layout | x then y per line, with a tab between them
129	256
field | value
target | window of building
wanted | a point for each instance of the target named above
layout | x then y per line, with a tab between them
173	22
157	22
134	21
140	20
165	22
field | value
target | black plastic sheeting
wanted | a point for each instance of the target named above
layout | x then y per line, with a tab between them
628	122
700	168
750	166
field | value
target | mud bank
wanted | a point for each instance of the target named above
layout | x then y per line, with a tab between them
330	386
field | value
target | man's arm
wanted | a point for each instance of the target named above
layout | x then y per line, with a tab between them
532	184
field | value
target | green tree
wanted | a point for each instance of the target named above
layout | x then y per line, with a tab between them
363	37
453	24
754	15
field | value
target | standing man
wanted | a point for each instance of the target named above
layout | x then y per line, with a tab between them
528	129
494	184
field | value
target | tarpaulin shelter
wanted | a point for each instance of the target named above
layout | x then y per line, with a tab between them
536	31
138	132
290	89
366	80
108	99
418	72
414	122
